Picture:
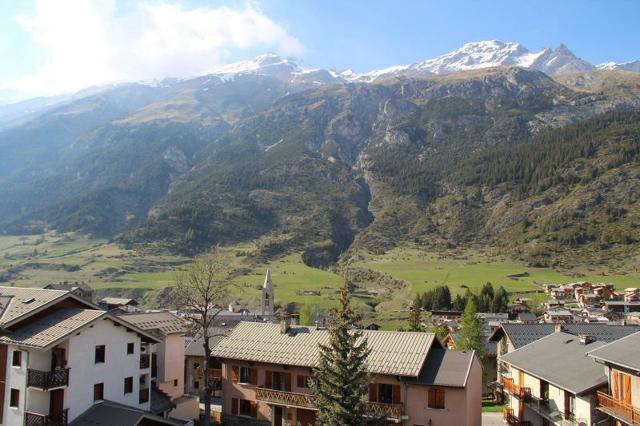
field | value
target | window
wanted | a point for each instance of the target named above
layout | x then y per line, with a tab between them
130	348
98	392
99	358
302	381
385	393
246	408
17	359
128	385
15	398
196	384
544	392
196	365
569	404
175	382
245	375
436	399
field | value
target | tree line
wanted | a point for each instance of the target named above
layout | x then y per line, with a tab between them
487	300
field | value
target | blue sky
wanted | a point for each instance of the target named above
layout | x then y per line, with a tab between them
48	49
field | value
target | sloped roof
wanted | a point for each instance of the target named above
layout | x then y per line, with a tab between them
561	360
523	334
392	352
166	322
160	402
446	368
624	352
118	301
51	328
20	301
194	346
110	413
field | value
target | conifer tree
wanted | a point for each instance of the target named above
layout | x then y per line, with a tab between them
471	336
341	381
415	316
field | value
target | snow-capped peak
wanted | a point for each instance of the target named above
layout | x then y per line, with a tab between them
484	54
267	64
625	66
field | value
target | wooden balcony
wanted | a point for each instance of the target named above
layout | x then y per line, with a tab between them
214	373
520	392
47	380
308	401
144	361
56	419
510	418
618	409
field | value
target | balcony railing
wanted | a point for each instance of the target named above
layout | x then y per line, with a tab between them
308	401
46	380
214	373
510	418
520	392
144	361
617	409
56	419
143	396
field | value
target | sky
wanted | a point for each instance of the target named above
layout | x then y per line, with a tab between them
59	46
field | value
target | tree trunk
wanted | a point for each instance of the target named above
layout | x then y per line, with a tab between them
206	421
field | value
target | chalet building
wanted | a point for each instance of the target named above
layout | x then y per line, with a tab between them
558	316
552	382
80	289
621	307
60	356
621	398
124	304
266	369
489	363
167	363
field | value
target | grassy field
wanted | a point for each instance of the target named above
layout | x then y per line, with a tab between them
43	259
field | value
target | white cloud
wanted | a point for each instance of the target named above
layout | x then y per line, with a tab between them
88	42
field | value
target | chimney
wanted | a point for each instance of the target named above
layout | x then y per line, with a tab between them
285	323
585	339
559	327
295	318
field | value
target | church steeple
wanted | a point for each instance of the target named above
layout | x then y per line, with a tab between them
267	296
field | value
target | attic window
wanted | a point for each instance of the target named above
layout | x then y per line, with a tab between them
28	300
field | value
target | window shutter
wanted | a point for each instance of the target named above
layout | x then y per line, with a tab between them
287	382
3	363
440	398
431	403
373	392
234	406
627	389
254	409
254	376
235	374
615	389
397	399
567	408
268	379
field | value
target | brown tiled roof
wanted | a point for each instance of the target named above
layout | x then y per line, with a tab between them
52	328
166	322
392	352
20	301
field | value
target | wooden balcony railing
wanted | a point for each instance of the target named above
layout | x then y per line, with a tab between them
510	418
308	401
214	373
144	361
143	396
518	391
617	409
46	380
55	419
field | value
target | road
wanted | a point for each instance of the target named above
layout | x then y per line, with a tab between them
492	419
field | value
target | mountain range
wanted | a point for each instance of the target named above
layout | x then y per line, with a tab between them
490	145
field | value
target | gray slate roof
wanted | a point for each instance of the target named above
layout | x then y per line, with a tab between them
446	368
110	413
624	352
392	352
523	334
561	360
193	347
165	322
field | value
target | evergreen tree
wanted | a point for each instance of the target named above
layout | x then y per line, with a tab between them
459	303
341	381
500	302
471	335
415	315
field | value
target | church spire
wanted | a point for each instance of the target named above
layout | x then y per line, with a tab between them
267	304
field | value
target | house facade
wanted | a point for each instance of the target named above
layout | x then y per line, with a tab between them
60	355
552	382
415	381
620	401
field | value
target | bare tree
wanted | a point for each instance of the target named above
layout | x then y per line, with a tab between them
201	291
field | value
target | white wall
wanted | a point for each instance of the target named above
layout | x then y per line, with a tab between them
171	365
16	378
118	365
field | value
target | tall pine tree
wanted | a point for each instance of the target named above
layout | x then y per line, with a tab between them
415	315
341	381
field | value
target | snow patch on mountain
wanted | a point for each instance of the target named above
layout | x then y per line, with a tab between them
625	66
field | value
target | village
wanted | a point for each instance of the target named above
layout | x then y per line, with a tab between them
70	360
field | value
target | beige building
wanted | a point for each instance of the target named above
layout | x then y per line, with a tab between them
621	399
552	381
415	381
